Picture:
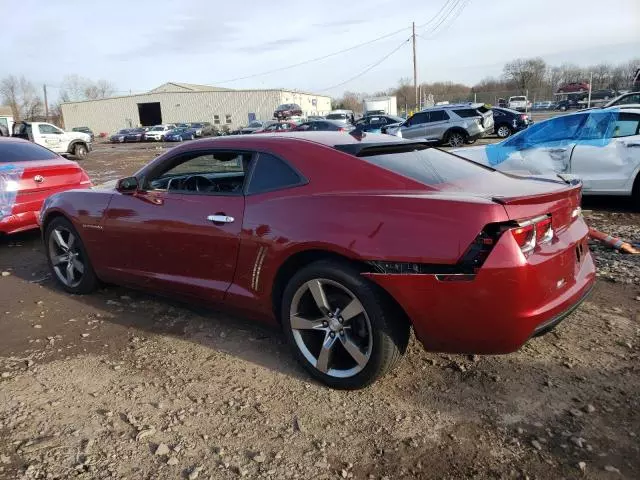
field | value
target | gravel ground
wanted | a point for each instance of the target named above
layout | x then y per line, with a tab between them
124	385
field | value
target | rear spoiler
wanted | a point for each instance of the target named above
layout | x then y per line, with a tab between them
540	197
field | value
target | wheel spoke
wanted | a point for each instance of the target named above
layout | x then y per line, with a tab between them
300	323
70	241
317	290
325	353
58	259
353	350
77	264
69	273
351	310
57	237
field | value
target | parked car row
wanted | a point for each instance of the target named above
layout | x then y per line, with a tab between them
171	132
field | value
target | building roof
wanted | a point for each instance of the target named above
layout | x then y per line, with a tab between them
187	87
6	111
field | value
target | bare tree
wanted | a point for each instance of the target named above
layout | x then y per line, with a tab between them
76	88
21	95
527	74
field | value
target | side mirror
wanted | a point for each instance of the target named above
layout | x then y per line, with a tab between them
127	185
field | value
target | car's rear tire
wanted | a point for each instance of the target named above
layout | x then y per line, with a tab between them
340	326
503	131
80	151
456	139
68	259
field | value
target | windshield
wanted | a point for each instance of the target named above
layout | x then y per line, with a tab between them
123	132
157	129
518	99
197	125
429	166
556	129
14	151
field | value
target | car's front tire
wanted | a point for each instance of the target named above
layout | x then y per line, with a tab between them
341	327
68	260
503	131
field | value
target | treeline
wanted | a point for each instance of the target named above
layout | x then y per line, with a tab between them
520	76
26	100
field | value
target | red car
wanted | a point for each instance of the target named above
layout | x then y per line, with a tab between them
30	173
574	87
279	127
346	241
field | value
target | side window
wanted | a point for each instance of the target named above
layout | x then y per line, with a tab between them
419	118
217	173
216	119
271	173
467	113
43	128
438	116
630	99
598	126
304	127
227	118
557	129
285	126
628	124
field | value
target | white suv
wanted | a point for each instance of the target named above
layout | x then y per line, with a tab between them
77	144
158	132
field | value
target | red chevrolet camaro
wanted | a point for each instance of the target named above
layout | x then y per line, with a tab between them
346	241
30	173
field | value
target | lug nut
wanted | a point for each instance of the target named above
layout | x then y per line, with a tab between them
332	334
325	324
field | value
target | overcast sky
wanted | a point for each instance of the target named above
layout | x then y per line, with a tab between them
138	45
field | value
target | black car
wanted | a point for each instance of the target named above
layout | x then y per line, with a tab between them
135	135
86	130
324	126
507	121
375	123
287	110
568	104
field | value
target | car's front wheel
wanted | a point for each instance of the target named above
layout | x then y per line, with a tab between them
340	325
503	131
67	257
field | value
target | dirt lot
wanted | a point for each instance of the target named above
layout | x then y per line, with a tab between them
121	384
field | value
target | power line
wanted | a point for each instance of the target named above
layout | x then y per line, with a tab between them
323	57
459	7
311	60
370	67
444	17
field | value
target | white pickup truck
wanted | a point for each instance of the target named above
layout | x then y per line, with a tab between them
518	103
77	144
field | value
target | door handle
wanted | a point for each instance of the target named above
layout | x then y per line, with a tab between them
631	145
556	150
220	218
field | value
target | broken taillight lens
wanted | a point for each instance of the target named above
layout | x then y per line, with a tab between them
525	237
532	232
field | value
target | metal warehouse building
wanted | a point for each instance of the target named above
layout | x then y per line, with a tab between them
185	102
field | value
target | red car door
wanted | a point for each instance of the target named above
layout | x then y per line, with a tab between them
180	232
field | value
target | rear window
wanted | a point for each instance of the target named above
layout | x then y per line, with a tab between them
24	151
336	116
429	166
467	113
518	99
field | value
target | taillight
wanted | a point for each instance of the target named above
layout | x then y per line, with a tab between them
523	117
532	232
525	237
342	129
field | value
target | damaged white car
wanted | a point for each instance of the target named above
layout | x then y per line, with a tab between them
601	147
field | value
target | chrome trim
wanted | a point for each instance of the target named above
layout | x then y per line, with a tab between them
220	219
257	266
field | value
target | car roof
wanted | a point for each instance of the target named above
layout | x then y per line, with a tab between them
13	140
453	105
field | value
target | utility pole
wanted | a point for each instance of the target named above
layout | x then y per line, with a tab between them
415	66
590	87
46	103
